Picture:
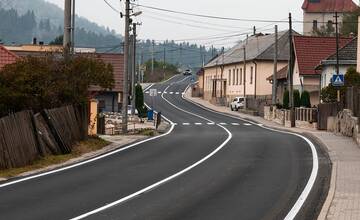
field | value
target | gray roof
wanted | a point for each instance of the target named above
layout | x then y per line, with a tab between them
258	47
348	52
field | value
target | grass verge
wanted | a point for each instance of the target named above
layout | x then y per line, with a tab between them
83	147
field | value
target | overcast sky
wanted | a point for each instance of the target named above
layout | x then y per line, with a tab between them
163	25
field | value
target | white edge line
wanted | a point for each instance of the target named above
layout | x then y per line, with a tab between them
314	172
155	185
90	160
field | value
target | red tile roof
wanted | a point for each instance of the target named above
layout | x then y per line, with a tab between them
6	57
310	51
329	6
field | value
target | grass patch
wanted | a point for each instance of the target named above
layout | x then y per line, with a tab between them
83	147
146	132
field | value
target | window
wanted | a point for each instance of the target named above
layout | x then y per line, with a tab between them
233	77
241	76
229	78
315	25
237	76
251	75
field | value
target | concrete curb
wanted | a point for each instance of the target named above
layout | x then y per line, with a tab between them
331	193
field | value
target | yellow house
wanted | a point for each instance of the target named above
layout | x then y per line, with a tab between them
243	70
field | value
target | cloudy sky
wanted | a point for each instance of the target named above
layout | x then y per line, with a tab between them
160	25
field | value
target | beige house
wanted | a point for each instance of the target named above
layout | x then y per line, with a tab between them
243	70
320	13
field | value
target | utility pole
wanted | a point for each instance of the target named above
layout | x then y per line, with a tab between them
152	58
291	70
274	87
73	28
133	70
245	105
67	29
126	69
337	52
181	56
254	30
164	65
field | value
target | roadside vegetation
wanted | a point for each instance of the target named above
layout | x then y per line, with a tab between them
81	148
162	71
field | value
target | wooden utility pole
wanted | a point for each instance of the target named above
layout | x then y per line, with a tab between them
337	52
126	69
67	29
274	86
245	106
133	70
73	28
291	70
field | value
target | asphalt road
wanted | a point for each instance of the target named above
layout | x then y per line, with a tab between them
208	166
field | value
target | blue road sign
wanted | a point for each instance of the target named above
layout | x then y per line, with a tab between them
338	80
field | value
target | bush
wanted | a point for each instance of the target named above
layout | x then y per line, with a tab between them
49	82
305	99
296	96
286	99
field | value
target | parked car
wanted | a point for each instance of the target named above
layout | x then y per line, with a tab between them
187	72
237	103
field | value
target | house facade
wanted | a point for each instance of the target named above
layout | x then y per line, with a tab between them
318	13
347	59
243	70
309	52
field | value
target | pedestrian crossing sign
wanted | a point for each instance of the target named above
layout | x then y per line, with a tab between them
338	80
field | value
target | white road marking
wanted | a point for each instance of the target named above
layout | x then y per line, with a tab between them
314	172
235	124
186	123
147	92
159	92
155	185
210	123
171	93
177	93
165	92
198	123
247	124
222	123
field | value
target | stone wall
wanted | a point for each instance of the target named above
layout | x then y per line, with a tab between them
346	124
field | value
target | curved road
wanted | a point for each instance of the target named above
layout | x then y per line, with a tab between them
208	166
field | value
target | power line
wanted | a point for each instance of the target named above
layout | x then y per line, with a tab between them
112	7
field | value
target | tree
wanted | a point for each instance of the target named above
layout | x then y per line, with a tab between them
350	23
58	40
296	98
139	101
286	99
305	99
49	82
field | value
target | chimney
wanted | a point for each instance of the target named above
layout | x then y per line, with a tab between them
34	41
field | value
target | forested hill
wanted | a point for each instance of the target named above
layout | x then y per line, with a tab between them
22	20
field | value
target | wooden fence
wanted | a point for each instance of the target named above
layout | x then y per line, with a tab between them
25	137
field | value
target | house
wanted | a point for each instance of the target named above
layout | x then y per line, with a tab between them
108	100
318	13
6	57
347	59
243	70
309	51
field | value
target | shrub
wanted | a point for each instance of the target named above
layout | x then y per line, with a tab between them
296	96
286	99
49	82
305	99
139	101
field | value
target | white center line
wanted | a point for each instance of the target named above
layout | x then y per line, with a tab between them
211	123
171	93
247	124
165	92
159	92
198	123
235	124
186	123
222	123
177	93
